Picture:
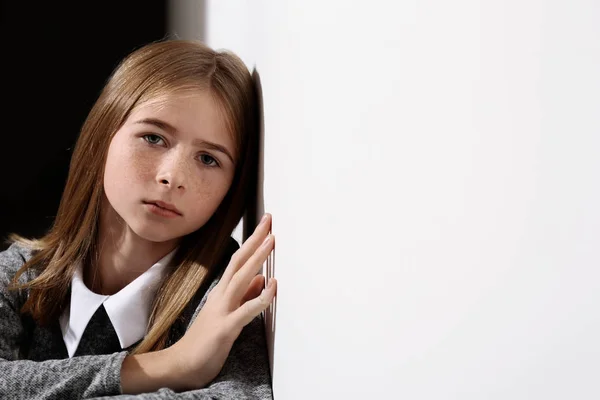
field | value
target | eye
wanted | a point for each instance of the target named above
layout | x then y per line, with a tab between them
208	160
153	139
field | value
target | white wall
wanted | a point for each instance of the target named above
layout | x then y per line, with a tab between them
433	171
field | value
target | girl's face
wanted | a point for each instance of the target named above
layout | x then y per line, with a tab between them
170	165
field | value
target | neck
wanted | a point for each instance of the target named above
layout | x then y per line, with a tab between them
123	255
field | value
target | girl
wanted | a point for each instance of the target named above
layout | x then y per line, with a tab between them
138	286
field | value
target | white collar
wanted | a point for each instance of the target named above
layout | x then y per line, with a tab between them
129	309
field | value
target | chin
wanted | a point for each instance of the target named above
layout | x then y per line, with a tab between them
154	234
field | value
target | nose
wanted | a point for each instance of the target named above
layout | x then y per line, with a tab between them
171	173
170	183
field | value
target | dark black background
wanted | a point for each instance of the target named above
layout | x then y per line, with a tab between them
55	58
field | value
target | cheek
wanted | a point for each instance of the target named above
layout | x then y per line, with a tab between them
125	167
208	192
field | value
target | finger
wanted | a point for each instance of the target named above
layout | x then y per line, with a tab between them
238	285
252	308
256	286
241	256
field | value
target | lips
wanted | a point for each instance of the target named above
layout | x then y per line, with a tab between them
164	205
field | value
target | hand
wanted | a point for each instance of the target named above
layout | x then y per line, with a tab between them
236	300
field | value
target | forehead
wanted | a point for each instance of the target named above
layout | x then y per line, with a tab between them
195	113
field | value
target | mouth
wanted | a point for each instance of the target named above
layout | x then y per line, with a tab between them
167	209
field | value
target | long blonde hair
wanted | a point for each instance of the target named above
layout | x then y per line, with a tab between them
157	68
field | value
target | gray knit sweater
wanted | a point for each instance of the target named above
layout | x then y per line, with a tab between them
34	363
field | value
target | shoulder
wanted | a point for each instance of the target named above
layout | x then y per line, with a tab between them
11	260
14	257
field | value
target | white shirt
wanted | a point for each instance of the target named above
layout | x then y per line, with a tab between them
129	309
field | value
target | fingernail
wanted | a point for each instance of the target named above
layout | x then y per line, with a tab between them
264	219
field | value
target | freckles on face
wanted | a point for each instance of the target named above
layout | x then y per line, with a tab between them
176	150
126	165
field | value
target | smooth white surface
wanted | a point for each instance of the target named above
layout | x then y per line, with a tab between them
433	171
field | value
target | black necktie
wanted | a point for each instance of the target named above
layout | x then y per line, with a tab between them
99	336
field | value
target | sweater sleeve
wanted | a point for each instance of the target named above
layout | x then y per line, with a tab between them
245	375
78	377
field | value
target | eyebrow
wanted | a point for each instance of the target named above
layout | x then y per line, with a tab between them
173	131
